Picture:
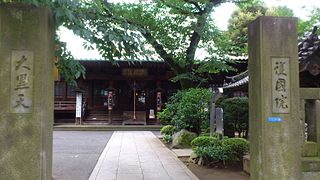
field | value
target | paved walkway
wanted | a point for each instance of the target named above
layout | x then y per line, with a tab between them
139	155
75	153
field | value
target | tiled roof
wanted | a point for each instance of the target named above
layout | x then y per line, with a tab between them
309	54
309	60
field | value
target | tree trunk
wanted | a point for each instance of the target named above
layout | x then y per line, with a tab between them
186	83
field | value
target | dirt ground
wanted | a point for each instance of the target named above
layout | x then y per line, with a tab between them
212	173
234	172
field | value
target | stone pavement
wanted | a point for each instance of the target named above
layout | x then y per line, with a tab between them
139	155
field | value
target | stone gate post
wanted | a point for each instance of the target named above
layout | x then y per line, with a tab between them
26	92
275	143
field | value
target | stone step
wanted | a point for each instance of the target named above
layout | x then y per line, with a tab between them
310	164
106	127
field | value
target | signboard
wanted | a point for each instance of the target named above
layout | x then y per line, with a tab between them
280	85
274	119
151	114
21	90
134	72
78	105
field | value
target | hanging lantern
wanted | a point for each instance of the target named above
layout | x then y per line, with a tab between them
110	100
159	101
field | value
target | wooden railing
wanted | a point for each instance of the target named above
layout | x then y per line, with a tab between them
65	105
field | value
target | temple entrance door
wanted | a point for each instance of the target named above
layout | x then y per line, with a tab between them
139	94
100	94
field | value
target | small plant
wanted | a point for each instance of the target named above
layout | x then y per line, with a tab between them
168	130
167	138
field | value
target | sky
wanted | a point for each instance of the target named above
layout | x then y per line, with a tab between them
222	13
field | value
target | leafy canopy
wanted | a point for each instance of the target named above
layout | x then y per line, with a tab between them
246	13
173	30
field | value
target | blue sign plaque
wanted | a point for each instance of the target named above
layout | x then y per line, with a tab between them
274	119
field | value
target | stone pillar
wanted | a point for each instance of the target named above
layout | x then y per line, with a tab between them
275	138
311	119
302	116
317	116
26	92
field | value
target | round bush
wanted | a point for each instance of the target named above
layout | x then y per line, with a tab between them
203	141
168	130
238	147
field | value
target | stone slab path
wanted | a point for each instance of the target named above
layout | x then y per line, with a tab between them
139	155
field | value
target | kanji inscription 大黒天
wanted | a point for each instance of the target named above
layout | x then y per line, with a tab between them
21	81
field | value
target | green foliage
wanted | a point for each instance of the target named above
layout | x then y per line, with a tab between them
175	29
167	138
238	25
283	11
247	12
236	115
229	150
168	130
185	139
305	27
214	134
69	68
213	154
238	148
204	141
188	109
172	29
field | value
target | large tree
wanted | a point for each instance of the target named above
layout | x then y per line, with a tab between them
173	30
245	14
238	25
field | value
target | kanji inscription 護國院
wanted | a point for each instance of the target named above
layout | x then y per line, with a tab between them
280	85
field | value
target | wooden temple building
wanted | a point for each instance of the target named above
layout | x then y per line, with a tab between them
123	93
120	93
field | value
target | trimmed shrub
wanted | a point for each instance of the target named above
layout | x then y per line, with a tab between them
216	135
213	150
204	141
213	154
238	147
168	130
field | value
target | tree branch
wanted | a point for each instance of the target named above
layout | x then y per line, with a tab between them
195	4
161	51
182	11
196	35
